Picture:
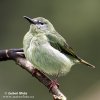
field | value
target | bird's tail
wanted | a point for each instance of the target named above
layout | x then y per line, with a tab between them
86	63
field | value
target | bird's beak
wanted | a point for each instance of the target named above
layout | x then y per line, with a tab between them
31	21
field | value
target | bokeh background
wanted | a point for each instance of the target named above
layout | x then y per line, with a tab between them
76	20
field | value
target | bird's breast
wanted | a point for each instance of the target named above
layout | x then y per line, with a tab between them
45	57
48	59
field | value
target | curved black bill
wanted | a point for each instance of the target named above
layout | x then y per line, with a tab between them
29	19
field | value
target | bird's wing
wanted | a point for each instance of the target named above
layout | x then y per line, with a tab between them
58	42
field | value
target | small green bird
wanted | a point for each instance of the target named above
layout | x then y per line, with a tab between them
47	50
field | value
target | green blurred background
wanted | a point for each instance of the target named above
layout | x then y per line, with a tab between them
76	20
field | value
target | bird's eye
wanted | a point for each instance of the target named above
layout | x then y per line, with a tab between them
41	23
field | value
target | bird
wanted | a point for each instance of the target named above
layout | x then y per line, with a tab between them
47	50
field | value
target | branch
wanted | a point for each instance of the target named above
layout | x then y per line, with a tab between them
18	56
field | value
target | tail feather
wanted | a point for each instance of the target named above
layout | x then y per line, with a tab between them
86	63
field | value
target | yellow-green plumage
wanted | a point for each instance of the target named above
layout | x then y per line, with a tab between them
47	50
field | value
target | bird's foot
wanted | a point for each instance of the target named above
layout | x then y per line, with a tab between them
34	71
53	83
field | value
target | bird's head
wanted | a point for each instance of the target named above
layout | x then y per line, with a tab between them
40	25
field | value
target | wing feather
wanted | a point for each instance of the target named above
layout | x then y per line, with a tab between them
58	42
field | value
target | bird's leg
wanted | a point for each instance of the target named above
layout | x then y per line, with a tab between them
53	83
34	71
